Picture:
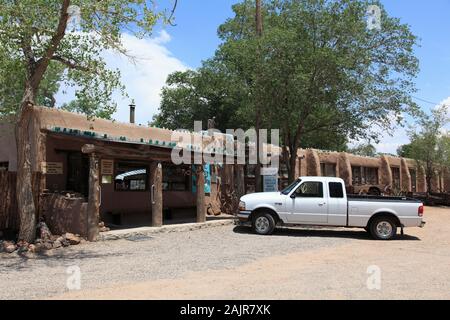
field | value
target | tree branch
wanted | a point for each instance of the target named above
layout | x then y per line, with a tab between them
70	64
43	63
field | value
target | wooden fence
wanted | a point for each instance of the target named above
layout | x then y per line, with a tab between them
9	215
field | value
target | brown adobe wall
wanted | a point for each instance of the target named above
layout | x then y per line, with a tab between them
405	176
312	163
385	172
345	169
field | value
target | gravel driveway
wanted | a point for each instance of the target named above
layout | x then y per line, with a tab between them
230	262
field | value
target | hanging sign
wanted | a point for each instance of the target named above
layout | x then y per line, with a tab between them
52	168
107	167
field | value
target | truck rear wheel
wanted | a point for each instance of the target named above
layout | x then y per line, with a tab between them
263	223
383	228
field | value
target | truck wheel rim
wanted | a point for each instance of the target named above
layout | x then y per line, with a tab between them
262	224
384	229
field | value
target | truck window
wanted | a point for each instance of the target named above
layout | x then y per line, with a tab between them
310	190
336	190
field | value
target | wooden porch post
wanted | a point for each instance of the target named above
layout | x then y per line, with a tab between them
156	195
240	180
93	207
201	212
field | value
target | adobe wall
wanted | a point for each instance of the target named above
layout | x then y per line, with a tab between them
385	172
8	150
405	176
312	163
345	168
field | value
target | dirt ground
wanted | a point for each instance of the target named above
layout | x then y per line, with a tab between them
415	266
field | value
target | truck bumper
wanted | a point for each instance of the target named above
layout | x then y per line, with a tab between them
243	216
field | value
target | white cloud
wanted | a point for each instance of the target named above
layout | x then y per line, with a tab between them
143	76
146	76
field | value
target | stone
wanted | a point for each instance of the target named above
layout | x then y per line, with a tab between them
72	238
64	242
9	246
32	248
57	244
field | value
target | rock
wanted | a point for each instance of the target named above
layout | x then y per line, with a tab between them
47	245
104	229
64	242
57	244
32	248
101	224
9	246
72	238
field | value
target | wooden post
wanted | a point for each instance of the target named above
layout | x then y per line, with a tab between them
156	195
240	181
201	212
93	207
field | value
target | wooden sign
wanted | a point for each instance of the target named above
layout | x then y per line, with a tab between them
107	167
52	167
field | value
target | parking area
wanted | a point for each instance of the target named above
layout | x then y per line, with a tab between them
230	262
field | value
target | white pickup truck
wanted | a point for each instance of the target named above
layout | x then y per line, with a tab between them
323	201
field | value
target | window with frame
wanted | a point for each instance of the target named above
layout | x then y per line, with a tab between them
176	178
356	175
4	166
413	174
336	190
310	189
130	177
328	169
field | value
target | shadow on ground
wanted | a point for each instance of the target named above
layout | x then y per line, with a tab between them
322	233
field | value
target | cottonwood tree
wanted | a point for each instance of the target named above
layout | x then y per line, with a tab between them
36	33
322	68
430	144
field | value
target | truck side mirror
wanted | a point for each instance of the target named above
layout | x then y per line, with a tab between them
293	195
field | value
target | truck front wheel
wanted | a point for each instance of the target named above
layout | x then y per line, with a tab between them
383	228
263	223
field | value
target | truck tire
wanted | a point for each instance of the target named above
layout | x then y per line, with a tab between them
383	228
263	223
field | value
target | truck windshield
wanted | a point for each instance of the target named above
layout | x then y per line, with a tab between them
290	187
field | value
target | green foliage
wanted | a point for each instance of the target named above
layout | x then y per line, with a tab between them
39	52
430	144
364	149
317	72
201	95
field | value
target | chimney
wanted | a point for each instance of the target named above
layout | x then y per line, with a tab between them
132	111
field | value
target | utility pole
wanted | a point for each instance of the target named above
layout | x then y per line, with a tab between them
259	31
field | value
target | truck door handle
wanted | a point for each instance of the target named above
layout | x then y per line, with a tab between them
322	204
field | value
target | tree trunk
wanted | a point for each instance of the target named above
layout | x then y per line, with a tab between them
24	191
292	165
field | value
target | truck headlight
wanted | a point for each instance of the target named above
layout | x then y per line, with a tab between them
241	205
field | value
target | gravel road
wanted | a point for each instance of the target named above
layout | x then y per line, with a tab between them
231	263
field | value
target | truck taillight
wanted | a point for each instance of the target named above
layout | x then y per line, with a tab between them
420	211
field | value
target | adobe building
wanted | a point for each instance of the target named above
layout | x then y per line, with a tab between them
118	173
369	175
91	170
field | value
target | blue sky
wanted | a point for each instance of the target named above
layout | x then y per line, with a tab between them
194	38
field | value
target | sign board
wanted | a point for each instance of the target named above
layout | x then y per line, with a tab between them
107	167
52	167
270	183
269	171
